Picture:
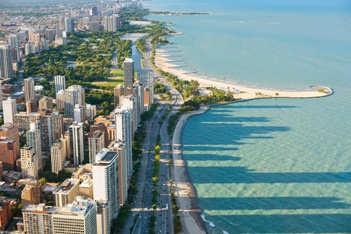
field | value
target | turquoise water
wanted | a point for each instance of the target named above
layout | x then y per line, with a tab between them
270	166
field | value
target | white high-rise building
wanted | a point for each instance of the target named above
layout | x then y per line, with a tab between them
90	111
129	102
105	180
10	110
77	142
112	23
124	134
5	61
79	113
60	83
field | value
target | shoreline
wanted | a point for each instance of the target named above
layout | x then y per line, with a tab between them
186	196
240	91
193	218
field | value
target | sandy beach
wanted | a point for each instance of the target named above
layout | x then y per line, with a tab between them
240	91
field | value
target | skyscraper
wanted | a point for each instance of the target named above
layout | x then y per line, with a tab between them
60	83
96	143
29	163
118	91
68	25
60	100
77	142
112	23
29	93
124	134
74	94
128	67
129	102
78	217
10	110
57	157
122	171
79	113
90	111
105	180
33	138
5	61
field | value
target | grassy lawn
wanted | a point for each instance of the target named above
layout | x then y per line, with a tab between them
117	72
109	84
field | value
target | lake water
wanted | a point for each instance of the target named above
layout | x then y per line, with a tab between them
270	166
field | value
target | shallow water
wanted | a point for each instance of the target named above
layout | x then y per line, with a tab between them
270	166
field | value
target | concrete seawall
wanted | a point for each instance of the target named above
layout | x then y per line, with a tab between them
185	193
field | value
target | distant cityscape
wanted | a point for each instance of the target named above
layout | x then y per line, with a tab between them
65	164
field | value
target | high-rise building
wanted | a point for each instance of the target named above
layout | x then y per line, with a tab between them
128	67
57	157
0	94
10	131
5	61
10	110
78	217
30	195
146	77
68	25
8	153
45	104
90	111
60	100
29	162
94	11
96	143
29	93
77	142
46	132
66	192
112	23
24	119
118	91
61	23
123	171
124	134
103	224
60	83
74	94
12	40
105	180
57	125
130	102
140	98
66	142
31	106
14	45
33	138
79	113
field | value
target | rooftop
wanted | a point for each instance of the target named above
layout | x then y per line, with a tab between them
105	156
67	185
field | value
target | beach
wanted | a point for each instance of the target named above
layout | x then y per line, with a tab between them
240	91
